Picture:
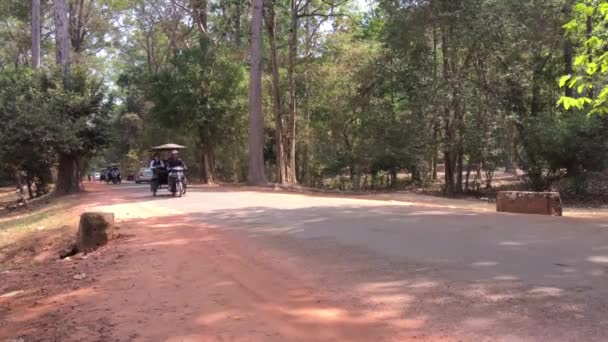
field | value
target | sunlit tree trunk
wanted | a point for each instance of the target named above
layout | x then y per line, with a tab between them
35	34
293	105
19	181
256	119
62	39
207	174
306	150
206	154
29	183
435	124
68	177
276	91
448	152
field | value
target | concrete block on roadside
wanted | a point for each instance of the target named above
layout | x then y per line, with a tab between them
528	202
94	231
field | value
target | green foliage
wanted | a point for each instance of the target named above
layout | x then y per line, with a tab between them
80	113
199	90
470	84
588	29
25	139
201	93
43	119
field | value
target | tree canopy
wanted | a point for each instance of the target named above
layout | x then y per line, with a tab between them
354	95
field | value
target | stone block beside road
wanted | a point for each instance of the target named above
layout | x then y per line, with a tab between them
95	230
527	202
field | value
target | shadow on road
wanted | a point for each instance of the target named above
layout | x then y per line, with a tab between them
348	272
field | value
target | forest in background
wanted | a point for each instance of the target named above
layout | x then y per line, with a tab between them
355	95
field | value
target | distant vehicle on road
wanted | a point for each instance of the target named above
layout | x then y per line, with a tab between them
97	176
144	175
113	174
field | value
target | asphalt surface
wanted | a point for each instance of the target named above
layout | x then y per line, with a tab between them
426	272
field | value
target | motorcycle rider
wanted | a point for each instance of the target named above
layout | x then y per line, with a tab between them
176	161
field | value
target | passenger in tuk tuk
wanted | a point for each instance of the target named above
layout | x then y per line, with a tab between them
159	169
157	162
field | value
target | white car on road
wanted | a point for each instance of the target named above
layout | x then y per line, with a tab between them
144	175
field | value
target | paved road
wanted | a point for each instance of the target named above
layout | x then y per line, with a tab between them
437	273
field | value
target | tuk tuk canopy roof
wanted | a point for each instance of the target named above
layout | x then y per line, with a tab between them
167	147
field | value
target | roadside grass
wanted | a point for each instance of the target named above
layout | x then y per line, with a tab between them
41	227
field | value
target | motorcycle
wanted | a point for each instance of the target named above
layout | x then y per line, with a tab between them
176	181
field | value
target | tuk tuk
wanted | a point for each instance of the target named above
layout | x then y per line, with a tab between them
172	178
113	174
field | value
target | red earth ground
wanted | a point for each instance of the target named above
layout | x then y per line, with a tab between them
181	273
174	281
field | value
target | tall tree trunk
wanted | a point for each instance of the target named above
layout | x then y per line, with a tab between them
35	34
448	152
78	13
199	11
207	157
435	149
306	151
448	162
19	181
589	32
448	155
436	121
238	31
568	49
466	183
459	113
539	65
535	103
477	180
256	119
29	183
568	69
68	177
207	171
511	150
62	38
356	178
459	170
293	105
270	20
